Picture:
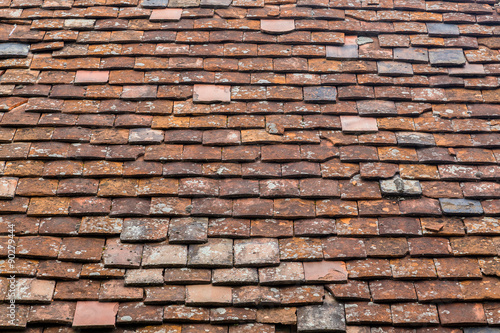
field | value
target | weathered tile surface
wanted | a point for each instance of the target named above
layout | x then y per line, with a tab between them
188	166
95	314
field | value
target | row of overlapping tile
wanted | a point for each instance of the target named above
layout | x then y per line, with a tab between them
187	166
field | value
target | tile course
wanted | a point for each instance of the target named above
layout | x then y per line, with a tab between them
271	166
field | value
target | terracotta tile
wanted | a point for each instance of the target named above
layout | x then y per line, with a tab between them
95	314
115	290
256	252
139	92
285	316
91	77
458	268
81	249
277	26
199	145
389	290
325	271
186	313
187	275
55	313
188	230
33	291
21	319
93	270
100	225
414	313
210	93
438	290
55	269
42	247
118	254
462	314
214	253
347	52
208	295
368	313
170	14
139	313
144	229
234	276
358	124
255	295
447	57
413	268
285	273
8	187
80	290
301	295
144	277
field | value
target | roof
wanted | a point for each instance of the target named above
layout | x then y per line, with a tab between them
260	166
